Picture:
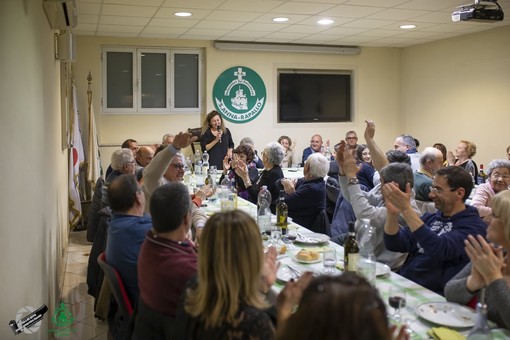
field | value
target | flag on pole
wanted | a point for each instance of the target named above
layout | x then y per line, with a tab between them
76	158
94	170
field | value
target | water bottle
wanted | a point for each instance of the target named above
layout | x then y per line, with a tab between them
197	166
233	192
366	240
205	162
481	329
264	211
328	153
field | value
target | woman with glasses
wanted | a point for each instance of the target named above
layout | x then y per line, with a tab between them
498	179
488	272
272	157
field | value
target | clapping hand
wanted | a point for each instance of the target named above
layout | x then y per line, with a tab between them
396	200
226	164
269	269
487	260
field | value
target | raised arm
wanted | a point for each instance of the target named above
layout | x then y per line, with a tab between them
378	156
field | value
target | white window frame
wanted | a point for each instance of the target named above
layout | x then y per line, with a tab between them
137	91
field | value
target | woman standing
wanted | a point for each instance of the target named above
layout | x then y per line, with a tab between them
216	139
286	142
498	173
228	301
463	154
489	269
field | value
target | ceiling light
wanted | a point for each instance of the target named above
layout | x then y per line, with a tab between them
281	19
325	22
407	27
182	14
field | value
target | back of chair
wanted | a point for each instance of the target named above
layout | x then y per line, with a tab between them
116	285
321	224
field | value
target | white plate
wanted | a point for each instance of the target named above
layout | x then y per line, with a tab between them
447	314
312	238
381	269
307	262
284	274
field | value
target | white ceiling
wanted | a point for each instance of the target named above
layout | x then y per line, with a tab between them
373	23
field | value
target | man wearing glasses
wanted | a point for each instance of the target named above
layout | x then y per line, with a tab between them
351	139
435	242
167	166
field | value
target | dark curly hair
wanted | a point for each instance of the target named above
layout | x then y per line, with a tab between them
247	151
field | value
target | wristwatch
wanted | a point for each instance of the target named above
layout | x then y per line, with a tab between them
353	181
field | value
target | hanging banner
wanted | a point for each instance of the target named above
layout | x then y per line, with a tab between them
239	94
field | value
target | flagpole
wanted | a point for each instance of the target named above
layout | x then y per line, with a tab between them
94	170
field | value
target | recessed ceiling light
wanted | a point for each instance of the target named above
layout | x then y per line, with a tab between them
281	19
325	22
182	14
407	27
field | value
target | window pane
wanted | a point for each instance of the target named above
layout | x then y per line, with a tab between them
153	80
119	79
186	80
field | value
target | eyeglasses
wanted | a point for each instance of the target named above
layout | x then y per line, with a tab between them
351	138
438	190
498	176
178	166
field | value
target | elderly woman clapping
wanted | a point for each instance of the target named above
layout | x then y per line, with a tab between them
272	157
498	180
489	265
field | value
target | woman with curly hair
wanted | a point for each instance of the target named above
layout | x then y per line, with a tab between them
286	142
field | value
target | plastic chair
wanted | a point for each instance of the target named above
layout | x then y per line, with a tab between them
117	286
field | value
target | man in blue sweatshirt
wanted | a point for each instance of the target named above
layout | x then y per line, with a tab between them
435	242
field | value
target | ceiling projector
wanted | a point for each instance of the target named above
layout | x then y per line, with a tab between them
479	11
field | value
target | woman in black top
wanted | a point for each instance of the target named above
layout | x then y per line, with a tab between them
216	139
272	157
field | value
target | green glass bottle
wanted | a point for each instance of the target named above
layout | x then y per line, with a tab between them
351	251
282	211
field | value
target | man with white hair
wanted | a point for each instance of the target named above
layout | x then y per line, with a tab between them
431	160
168	166
168	138
306	197
123	162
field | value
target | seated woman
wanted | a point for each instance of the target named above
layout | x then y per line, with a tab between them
366	171
286	142
245	154
227	302
498	174
359	312
272	157
443	150
489	265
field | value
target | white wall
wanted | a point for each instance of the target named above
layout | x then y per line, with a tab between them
376	94
457	89
33	171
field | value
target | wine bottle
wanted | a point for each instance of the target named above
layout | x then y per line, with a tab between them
482	176
351	251
282	211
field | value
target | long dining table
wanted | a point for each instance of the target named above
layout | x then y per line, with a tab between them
419	300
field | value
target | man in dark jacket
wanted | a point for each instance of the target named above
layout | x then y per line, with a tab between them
435	242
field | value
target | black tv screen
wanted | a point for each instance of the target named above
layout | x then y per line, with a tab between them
314	97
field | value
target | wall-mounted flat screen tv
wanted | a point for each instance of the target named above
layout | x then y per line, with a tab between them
314	96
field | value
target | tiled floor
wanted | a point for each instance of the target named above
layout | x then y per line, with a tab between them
74	295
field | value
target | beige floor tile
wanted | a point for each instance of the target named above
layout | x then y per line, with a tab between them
80	257
82	310
76	294
77	268
94	322
71	279
79	331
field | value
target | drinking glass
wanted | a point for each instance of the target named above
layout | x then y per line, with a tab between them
290	238
276	234
329	260
397	300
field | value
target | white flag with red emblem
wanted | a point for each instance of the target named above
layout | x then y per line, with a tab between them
76	158
94	170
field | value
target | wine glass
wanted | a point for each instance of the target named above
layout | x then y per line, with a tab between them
290	238
397	300
329	260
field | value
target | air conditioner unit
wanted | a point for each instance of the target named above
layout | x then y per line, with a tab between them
62	14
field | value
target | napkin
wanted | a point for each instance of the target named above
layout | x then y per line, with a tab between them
443	333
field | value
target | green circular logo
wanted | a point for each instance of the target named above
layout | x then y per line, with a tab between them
239	94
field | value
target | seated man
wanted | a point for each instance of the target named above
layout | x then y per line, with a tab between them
407	144
435	242
168	166
306	197
168	138
123	162
130	144
127	229
351	139
315	146
398	173
143	156
431	160
167	260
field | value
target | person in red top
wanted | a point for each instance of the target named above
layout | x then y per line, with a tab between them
166	262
